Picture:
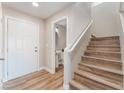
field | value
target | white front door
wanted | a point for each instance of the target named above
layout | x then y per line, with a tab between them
22	48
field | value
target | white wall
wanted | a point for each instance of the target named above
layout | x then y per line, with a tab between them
81	16
61	37
1	45
121	6
105	16
17	14
78	17
48	28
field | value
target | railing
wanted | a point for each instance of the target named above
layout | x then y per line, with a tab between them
122	41
72	54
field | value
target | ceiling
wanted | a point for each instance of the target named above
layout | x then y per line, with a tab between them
45	9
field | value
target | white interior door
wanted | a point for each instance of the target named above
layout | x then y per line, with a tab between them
22	48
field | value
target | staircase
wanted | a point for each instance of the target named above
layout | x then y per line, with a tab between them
101	67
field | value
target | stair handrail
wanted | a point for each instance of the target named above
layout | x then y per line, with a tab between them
68	57
73	45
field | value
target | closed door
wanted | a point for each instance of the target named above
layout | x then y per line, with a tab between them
22	48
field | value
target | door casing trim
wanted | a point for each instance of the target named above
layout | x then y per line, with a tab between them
5	26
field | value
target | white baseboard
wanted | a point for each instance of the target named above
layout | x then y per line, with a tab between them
45	68
41	68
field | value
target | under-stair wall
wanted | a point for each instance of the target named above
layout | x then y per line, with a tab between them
73	54
80	49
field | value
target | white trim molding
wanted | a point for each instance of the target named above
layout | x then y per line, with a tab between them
53	41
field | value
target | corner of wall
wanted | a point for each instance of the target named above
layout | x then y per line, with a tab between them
45	68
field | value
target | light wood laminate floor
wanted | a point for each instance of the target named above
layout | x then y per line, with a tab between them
41	80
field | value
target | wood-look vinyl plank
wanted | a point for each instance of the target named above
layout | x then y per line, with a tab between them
42	85
41	80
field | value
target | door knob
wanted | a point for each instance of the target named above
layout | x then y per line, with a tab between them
35	50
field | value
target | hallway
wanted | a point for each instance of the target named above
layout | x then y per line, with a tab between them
82	43
41	80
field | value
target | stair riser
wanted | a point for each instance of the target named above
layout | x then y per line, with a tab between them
101	66
112	56
107	42
104	49
106	38
104	46
102	73
93	44
90	83
72	87
102	63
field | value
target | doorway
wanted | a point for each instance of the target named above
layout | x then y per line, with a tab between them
22	48
59	43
